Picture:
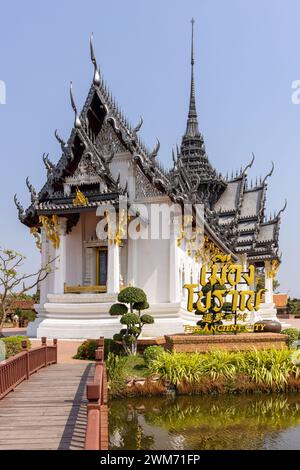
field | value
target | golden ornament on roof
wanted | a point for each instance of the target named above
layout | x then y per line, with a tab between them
80	199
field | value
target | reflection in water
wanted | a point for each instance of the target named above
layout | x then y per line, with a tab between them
206	422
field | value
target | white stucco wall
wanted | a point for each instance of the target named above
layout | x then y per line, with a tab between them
152	269
74	256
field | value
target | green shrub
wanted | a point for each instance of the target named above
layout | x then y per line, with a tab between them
13	345
151	353
29	315
87	349
116	372
292	333
267	367
270	367
110	346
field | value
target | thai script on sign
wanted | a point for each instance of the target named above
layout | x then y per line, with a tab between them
226	278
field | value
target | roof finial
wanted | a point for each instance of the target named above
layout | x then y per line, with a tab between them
96	78
60	140
47	162
138	126
192	48
249	165
33	193
77	122
269	174
154	152
192	122
283	209
19	207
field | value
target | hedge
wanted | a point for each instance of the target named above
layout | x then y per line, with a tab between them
13	345
86	350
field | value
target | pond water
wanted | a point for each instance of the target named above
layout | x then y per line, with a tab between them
205	422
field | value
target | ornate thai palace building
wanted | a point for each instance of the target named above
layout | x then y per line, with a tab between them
104	161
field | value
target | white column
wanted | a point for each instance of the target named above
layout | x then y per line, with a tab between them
268	283
132	256
44	259
113	269
60	261
175	288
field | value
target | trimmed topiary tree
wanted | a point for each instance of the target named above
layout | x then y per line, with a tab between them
132	319
118	309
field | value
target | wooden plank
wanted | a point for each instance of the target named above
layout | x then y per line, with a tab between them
48	411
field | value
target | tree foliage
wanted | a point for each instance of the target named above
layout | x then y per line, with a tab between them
13	283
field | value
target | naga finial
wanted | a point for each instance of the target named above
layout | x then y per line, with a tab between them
96	78
60	140
249	164
19	206
154	152
48	164
138	126
32	191
282	210
77	122
269	174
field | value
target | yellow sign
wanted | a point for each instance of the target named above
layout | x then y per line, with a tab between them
237	328
226	276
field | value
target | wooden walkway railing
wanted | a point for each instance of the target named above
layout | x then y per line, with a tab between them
21	366
97	410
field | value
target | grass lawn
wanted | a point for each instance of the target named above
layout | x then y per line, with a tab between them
135	366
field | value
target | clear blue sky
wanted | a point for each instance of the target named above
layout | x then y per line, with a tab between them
247	55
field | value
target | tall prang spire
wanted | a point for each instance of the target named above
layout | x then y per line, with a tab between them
193	158
192	129
192	140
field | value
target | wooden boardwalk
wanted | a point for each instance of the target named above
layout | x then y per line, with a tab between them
48	411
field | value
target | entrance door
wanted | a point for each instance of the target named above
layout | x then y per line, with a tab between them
101	268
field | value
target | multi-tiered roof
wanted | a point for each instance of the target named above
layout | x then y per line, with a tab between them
234	212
